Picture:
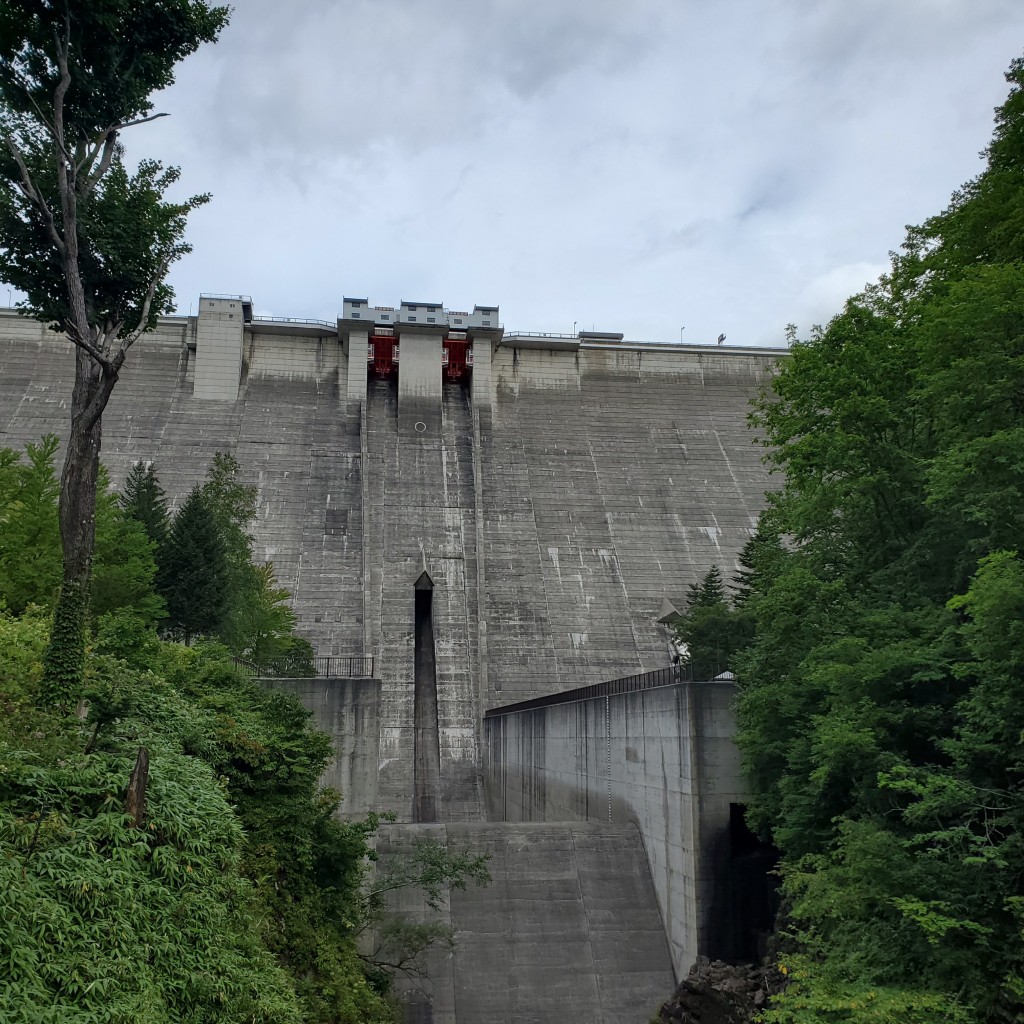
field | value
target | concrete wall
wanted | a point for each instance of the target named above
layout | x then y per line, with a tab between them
218	349
612	479
556	502
348	711
662	758
419	383
419	517
567	930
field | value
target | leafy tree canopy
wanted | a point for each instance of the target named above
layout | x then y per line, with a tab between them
879	709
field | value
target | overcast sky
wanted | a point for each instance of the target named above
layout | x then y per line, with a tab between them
637	166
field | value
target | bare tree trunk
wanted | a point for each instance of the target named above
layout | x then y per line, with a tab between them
65	655
135	798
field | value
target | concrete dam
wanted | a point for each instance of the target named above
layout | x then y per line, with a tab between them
501	520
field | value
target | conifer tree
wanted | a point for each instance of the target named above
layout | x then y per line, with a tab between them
705	627
124	569
194	575
142	498
233	506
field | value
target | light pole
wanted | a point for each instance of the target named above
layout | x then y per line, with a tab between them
574	323
681	329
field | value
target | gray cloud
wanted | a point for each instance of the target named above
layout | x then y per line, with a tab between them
728	166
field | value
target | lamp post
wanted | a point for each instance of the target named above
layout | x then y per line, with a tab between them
681	329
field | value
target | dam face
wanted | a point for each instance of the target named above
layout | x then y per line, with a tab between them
559	492
494	517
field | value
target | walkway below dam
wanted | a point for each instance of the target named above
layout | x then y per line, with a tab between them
568	929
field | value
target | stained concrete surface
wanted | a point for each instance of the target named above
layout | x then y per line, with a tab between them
348	711
663	758
568	929
592	483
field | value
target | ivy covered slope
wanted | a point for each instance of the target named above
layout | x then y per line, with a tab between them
882	669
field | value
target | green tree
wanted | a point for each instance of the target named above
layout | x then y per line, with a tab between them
708	627
233	506
86	239
266	622
142	498
879	704
29	537
194	576
124	568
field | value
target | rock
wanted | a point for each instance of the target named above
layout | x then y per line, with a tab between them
720	993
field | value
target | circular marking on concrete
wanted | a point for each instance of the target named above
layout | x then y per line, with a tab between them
419	426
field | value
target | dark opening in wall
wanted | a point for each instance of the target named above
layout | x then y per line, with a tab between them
427	747
746	892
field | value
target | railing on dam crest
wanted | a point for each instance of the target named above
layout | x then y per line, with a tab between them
341	666
668	676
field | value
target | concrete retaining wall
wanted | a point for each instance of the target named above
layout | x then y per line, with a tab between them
661	758
348	711
568	929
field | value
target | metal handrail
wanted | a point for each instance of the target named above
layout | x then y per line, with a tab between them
539	334
334	666
219	295
293	320
669	676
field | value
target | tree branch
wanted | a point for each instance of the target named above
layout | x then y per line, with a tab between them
93	352
106	141
139	120
147	305
33	195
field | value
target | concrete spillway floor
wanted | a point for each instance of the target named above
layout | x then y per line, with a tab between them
568	929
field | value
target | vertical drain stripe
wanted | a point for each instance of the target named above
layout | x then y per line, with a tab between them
608	749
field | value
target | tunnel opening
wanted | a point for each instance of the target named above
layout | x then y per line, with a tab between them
746	892
426	741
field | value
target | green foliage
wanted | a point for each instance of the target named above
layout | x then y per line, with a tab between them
818	994
30	554
880	713
118	54
30	557
142	499
432	869
211	584
88	241
266	622
65	653
22	642
709	628
124	566
103	921
243	896
233	507
193	575
126	637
